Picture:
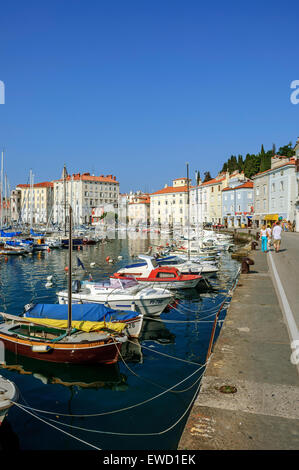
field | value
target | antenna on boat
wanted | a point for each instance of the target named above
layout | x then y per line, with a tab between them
69	320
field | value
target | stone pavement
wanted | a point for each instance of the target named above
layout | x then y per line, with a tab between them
287	265
252	354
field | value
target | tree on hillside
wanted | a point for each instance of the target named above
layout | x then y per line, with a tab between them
286	150
232	164
208	176
224	168
240	163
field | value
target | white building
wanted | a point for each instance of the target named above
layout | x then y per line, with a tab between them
89	195
168	206
139	209
276	191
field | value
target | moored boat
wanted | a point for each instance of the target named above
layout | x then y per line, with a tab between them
8	394
121	294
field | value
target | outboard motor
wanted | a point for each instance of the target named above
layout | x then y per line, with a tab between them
76	286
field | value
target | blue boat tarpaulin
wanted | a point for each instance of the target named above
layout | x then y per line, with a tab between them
80	312
35	234
9	234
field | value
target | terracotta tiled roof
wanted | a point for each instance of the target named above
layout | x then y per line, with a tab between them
89	177
248	184
292	162
45	184
172	189
213	181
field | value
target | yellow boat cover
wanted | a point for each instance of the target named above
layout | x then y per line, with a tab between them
79	325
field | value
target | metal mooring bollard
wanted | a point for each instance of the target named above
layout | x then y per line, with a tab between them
246	262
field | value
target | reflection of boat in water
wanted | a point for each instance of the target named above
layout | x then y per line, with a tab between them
68	375
132	351
8	394
153	330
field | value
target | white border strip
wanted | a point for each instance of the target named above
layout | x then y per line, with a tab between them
293	330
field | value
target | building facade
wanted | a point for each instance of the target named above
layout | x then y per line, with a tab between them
139	209
237	205
36	202
276	191
168	206
89	195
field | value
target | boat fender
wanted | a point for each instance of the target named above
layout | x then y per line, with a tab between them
41	348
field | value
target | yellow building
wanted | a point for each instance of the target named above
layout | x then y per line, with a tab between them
36	202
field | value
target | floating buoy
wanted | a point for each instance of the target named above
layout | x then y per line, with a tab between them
66	268
111	261
5	259
49	278
107	259
48	250
120	257
92	264
79	248
48	284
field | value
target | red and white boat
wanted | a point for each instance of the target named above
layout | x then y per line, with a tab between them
162	276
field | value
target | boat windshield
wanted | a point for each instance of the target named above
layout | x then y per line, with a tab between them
123	283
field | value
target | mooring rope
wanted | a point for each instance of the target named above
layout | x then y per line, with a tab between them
23	408
118	410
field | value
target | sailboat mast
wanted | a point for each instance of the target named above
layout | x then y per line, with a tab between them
188	210
69	323
64	187
1	189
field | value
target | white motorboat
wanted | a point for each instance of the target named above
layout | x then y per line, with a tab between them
8	394
122	294
151	274
189	266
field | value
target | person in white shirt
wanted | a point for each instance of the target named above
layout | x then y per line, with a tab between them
264	238
277	236
269	233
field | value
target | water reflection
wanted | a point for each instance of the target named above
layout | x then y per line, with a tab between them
68	375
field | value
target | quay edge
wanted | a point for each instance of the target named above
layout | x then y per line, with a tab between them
252	356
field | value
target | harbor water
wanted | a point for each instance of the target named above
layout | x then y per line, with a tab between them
124	406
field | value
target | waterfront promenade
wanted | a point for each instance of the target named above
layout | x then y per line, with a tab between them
252	354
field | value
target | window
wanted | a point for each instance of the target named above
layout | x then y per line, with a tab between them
239	195
273	187
257	191
281	186
249	195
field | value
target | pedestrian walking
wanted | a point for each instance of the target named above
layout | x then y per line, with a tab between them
277	236
269	234
293	226
264	238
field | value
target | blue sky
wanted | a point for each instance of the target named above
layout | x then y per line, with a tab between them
139	88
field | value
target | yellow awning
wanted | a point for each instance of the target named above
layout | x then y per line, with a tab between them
271	217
